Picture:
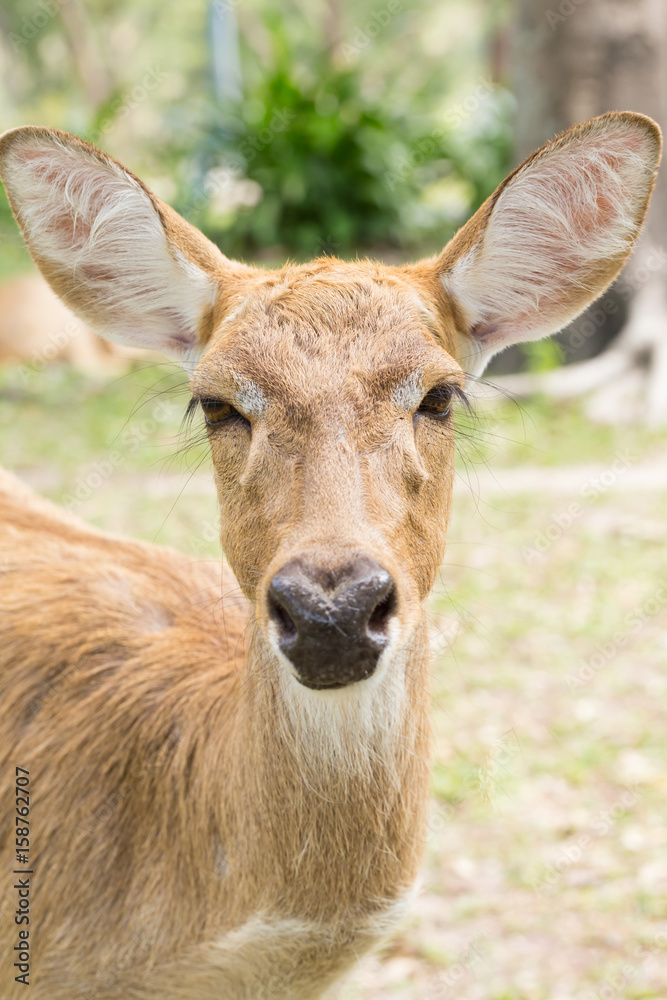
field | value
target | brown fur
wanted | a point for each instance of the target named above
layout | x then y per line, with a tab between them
191	839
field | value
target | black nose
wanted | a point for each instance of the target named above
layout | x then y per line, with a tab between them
332	625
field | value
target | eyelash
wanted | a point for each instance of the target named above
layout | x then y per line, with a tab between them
216	411
437	403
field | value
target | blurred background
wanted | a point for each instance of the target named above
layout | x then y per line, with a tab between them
337	128
324	127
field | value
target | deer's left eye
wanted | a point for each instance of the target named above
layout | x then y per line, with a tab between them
216	411
437	402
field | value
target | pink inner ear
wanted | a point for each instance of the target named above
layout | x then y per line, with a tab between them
49	171
557	235
95	233
600	211
71	229
27	152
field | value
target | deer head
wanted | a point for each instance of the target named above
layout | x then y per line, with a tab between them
328	388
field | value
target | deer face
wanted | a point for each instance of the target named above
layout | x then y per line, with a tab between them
328	388
328	393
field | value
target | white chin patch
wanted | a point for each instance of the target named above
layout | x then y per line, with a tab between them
350	726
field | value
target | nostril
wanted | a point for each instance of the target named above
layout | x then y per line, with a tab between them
332	625
282	618
382	612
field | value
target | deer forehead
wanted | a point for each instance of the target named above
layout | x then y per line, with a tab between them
296	341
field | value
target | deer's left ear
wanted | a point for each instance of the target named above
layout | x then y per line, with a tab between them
553	235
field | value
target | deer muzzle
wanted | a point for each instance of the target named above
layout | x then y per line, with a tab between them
332	625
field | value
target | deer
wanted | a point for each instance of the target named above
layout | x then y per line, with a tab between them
230	763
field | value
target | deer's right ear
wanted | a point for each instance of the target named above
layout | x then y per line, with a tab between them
121	259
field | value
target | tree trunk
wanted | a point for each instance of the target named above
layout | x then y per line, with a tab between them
575	59
86	52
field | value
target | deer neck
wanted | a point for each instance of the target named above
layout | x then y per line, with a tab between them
334	786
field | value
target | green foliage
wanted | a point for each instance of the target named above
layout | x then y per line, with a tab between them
348	137
324	166
543	355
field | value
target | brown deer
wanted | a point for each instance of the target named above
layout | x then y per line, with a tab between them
231	785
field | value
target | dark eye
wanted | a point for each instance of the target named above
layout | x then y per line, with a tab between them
437	402
216	411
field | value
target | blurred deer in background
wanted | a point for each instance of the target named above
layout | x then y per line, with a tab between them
36	329
231	786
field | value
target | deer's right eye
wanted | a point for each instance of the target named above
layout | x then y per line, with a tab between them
216	412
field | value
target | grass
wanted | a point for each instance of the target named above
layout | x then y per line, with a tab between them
546	868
